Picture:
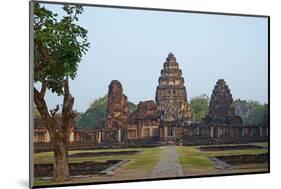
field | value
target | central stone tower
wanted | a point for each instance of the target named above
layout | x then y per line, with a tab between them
171	96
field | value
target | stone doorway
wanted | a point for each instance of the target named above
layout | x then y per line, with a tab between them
171	132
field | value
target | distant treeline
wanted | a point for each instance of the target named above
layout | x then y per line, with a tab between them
251	112
95	115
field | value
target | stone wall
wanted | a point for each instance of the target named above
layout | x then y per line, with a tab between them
145	121
41	134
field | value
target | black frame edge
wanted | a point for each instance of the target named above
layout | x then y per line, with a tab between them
31	181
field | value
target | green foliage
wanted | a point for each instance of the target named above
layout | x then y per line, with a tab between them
58	45
252	112
259	116
95	115
200	106
132	106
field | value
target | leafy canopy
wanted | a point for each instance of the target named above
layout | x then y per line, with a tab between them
58	45
252	112
200	106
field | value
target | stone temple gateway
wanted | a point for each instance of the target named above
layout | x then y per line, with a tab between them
171	99
167	119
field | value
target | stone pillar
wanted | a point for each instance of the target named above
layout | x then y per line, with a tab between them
119	135
261	133
99	137
150	131
165	133
139	130
212	132
219	132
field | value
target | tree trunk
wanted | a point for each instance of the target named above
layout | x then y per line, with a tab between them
61	168
59	134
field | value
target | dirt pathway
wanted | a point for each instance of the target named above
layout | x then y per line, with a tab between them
168	165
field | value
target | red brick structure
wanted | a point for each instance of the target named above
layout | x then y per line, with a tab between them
117	114
117	108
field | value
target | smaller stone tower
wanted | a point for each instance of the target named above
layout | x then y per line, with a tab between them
117	107
221	108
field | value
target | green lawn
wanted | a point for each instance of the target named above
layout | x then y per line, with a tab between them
261	144
192	159
148	154
139	166
196	162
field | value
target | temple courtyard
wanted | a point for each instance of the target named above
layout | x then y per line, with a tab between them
156	162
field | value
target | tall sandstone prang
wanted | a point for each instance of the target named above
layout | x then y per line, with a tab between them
117	107
171	96
222	108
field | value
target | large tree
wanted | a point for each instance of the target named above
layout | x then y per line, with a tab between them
200	106
252	112
58	48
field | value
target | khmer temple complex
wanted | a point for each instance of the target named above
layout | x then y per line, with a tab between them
167	119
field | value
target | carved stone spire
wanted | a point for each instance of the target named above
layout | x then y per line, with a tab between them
221	103
171	96
221	108
117	107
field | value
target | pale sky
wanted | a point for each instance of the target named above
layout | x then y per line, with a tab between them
132	45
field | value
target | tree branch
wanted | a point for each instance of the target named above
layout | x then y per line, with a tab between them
45	56
72	19
66	87
55	110
43	89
